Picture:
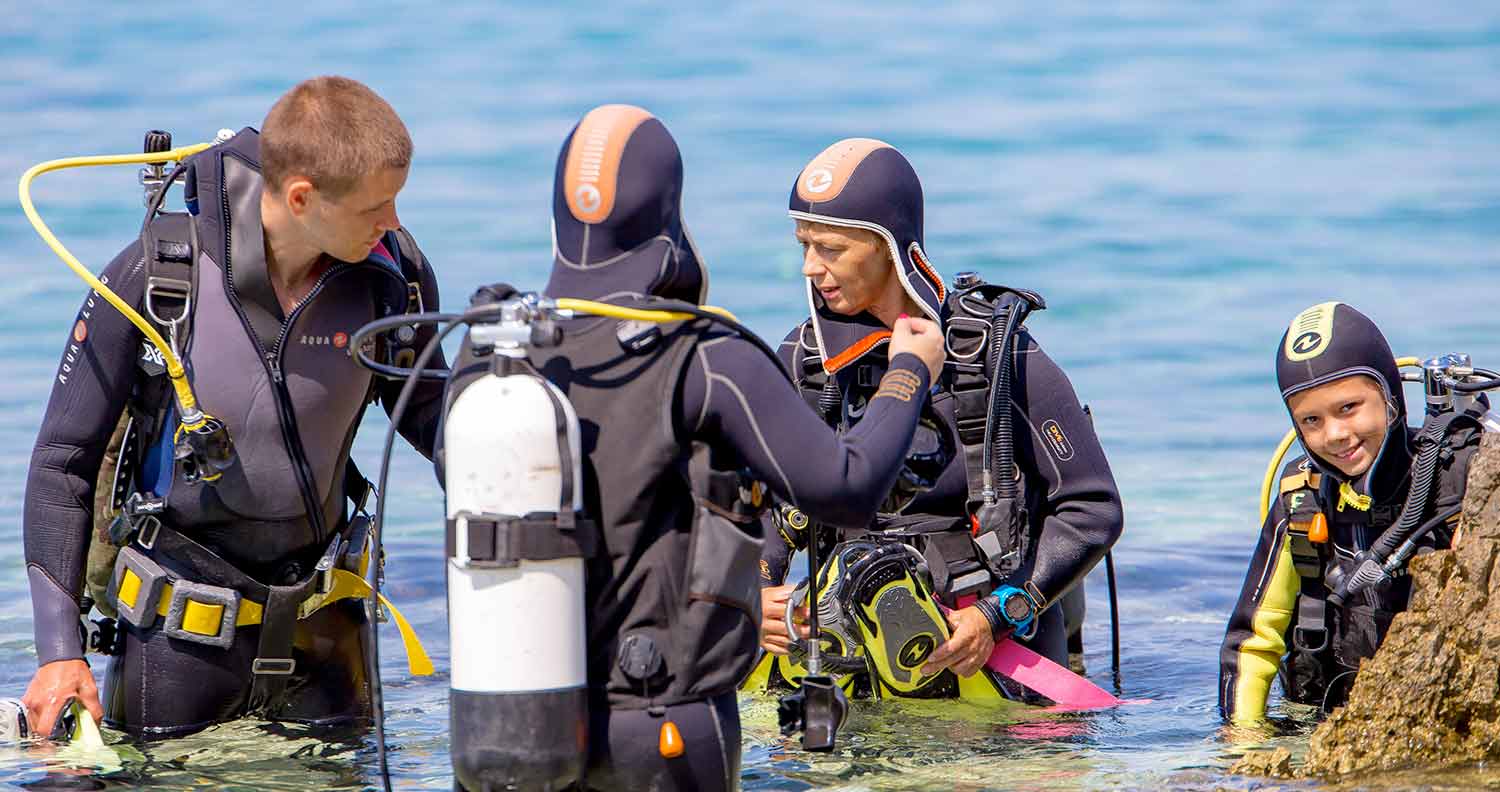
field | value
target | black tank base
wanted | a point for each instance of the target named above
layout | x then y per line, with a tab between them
508	741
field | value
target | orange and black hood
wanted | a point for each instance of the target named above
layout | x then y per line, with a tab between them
617	212
868	184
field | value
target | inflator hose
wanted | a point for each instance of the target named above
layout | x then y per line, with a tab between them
186	401
999	454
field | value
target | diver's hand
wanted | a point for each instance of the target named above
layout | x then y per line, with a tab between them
773	635
50	689
967	649
921	337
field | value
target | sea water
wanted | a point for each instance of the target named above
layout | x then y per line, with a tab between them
1177	179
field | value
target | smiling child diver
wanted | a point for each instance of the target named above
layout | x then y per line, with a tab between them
1342	389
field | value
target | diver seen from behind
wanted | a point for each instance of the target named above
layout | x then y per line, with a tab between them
668	414
238	567
1328	574
1005	500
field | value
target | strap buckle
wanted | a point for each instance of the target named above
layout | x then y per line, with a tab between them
136	586
273	666
192	609
1302	643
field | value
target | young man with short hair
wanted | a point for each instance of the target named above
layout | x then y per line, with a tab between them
294	244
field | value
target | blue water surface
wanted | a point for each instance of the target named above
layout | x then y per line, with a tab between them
1178	179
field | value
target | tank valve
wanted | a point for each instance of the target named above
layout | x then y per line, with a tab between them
153	174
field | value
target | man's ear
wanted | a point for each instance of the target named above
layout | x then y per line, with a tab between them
297	195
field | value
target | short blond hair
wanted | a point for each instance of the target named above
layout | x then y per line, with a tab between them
332	131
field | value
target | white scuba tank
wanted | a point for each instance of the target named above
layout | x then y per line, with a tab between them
516	626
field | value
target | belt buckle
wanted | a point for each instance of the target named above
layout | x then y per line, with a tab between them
151	576
185	591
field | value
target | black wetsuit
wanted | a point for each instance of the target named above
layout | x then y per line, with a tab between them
671	573
1077	515
162	685
1284	622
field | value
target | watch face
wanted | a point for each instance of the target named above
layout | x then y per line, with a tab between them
1016	607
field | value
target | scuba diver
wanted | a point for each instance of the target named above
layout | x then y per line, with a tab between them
1328	573
233	540
1005	501
671	605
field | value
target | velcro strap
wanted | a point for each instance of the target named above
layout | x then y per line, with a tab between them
1302	479
971	407
1311	632
174	251
506	540
1305	558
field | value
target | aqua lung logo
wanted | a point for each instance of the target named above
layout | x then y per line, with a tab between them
337	340
818	181
1307	342
1309	334
916	651
1061	448
588	198
80	334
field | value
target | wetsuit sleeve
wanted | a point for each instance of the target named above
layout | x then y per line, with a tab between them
1082	517
733	396
419	425
92	386
776	554
1255	639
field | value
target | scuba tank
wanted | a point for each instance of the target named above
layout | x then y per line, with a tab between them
515	570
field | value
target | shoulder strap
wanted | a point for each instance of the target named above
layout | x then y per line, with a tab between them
1300	499
984	321
409	257
169	252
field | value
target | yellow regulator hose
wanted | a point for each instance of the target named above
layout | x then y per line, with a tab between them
1286	443
633	314
187	403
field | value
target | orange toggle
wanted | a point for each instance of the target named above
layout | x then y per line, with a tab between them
1318	531
670	741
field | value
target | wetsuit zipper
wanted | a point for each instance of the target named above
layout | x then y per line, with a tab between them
272	361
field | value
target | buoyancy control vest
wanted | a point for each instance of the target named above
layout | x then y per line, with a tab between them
1326	642
208	291
968	553
674	598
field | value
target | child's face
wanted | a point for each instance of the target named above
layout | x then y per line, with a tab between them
1343	422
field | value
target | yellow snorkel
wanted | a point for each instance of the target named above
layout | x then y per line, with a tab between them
1279	454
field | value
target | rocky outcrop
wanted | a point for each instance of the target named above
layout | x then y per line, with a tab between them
1431	695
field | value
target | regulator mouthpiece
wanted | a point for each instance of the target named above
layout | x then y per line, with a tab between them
204	449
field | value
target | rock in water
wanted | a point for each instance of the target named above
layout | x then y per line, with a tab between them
1264	764
1431	695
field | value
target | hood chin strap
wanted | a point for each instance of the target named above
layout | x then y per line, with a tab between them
1348	497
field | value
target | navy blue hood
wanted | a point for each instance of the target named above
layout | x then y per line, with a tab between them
617	212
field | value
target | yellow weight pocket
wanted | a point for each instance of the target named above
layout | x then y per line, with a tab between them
136	586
